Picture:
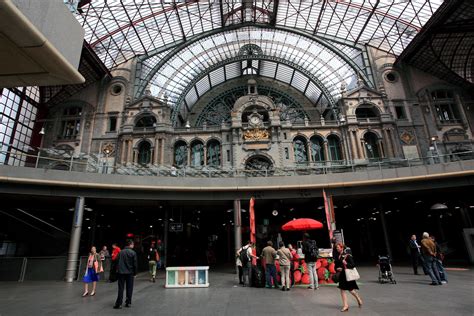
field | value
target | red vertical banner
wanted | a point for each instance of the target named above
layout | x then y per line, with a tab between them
329	208
253	238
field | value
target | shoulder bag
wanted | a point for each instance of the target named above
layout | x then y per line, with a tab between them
351	274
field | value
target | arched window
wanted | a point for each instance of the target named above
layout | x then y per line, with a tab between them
71	122
197	154
367	111
300	149
334	144
146	121
180	154
144	153
317	149
258	163
371	145
213	153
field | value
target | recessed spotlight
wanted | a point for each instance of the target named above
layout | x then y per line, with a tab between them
320	207
171	220
151	226
346	206
88	227
395	198
418	202
51	218
131	212
88	219
102	215
160	219
292	209
457	207
229	210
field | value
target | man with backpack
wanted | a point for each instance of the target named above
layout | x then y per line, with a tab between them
311	252
245	256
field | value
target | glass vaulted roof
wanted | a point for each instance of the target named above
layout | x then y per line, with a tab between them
186	48
121	29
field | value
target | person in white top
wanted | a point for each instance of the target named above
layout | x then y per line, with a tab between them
246	255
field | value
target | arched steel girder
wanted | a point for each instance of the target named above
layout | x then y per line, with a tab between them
178	46
309	75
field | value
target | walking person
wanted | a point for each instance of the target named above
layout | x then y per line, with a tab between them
285	259
269	255
153	259
342	261
428	249
92	272
113	263
415	253
126	272
311	252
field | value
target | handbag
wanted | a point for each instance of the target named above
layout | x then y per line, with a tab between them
352	274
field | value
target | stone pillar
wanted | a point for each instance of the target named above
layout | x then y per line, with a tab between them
237	227
123	152
326	151
388	142
355	152
156	151
129	149
73	253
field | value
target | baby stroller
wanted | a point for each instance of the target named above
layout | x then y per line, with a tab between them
385	270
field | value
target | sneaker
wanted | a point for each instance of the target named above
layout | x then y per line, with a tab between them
310	288
117	306
433	283
444	282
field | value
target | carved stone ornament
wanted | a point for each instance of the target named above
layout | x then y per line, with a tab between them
407	137
108	149
256	134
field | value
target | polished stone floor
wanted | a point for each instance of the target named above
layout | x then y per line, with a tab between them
412	295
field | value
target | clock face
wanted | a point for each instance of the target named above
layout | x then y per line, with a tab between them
254	120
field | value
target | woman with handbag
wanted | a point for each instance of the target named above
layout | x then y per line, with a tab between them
92	272
345	262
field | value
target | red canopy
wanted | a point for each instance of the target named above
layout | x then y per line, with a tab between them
302	224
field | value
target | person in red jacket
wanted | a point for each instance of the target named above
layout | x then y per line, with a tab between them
113	265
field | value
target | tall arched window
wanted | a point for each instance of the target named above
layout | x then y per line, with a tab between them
300	149
317	149
371	145
180	153
213	153
445	106
197	153
144	153
334	144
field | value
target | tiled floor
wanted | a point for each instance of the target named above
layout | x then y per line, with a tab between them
412	295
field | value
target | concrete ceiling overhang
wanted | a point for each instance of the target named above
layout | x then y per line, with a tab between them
27	56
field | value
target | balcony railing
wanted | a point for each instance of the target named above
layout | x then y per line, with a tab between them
51	159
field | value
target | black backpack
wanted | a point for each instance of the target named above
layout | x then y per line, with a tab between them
243	256
313	250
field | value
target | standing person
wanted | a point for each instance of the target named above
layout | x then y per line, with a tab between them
285	258
103	254
428	248
269	255
311	252
92	272
344	260
126	272
238	264
113	263
439	262
294	260
415	253
153	258
245	255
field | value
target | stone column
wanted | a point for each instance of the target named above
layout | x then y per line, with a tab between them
156	151
129	148
355	152
123	152
388	142
326	150
237	228
73	253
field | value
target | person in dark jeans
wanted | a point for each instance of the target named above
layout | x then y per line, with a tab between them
126	272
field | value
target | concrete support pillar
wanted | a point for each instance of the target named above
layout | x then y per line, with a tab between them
237	227
385	233
73	253
165	238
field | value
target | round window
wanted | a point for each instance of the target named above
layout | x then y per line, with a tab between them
116	89
391	76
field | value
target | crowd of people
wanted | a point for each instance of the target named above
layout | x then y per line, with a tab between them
287	257
123	269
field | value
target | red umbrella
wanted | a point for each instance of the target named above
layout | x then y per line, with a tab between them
302	224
